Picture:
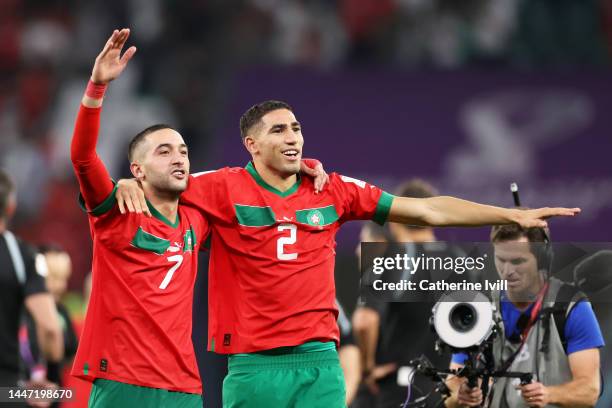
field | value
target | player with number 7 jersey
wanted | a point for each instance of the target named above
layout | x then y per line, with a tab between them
136	343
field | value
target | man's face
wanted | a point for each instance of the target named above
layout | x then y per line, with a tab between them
163	161
59	269
516	263
278	142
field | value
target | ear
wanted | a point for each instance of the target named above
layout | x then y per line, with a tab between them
251	144
137	171
11	206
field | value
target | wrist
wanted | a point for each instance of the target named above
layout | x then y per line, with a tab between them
95	90
513	215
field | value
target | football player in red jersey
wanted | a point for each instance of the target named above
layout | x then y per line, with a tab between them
136	344
271	288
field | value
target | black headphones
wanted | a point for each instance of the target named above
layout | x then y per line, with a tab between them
544	252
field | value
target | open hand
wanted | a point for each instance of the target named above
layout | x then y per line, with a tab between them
109	63
131	195
321	178
537	217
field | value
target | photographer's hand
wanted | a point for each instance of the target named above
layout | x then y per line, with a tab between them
469	397
535	394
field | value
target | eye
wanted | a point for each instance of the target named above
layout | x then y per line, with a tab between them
164	152
297	129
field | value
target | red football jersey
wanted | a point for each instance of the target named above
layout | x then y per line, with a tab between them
138	324
271	278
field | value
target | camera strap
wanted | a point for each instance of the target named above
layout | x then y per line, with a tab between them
533	318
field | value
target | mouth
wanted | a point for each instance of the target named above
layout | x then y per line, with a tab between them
513	282
179	174
291	154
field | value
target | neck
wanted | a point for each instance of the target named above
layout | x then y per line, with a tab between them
2	225
164	202
522	300
279	181
416	235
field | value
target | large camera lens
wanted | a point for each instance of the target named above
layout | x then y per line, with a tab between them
463	317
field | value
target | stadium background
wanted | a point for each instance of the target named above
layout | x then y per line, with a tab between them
468	95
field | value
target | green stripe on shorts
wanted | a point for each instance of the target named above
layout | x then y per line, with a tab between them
298	377
114	394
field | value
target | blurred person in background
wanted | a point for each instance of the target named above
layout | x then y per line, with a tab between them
387	325
22	283
59	269
350	357
366	317
561	350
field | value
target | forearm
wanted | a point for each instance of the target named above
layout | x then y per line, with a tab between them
90	171
448	211
579	393
350	362
365	327
51	343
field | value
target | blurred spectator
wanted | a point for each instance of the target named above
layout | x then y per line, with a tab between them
350	357
59	268
22	283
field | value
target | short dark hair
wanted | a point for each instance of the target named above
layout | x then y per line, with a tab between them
254	114
416	188
7	187
511	232
140	137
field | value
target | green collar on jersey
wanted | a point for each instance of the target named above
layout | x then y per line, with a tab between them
161	216
251	169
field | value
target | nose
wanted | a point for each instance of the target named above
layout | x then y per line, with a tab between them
178	158
291	137
507	270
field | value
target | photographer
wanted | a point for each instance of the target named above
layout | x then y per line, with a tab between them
561	350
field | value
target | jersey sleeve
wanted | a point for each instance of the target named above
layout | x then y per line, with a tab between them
361	200
205	192
582	330
35	271
94	181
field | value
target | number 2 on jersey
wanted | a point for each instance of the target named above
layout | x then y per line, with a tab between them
282	241
174	258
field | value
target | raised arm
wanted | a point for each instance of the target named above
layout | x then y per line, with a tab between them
450	211
93	177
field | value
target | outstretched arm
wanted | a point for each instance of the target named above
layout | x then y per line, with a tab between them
451	211
93	177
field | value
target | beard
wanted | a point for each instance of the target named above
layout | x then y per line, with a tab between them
167	185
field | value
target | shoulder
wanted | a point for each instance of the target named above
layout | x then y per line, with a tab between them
206	179
26	250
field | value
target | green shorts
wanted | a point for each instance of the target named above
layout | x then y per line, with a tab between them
307	376
114	394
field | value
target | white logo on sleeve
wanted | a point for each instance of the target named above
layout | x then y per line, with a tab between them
346	179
